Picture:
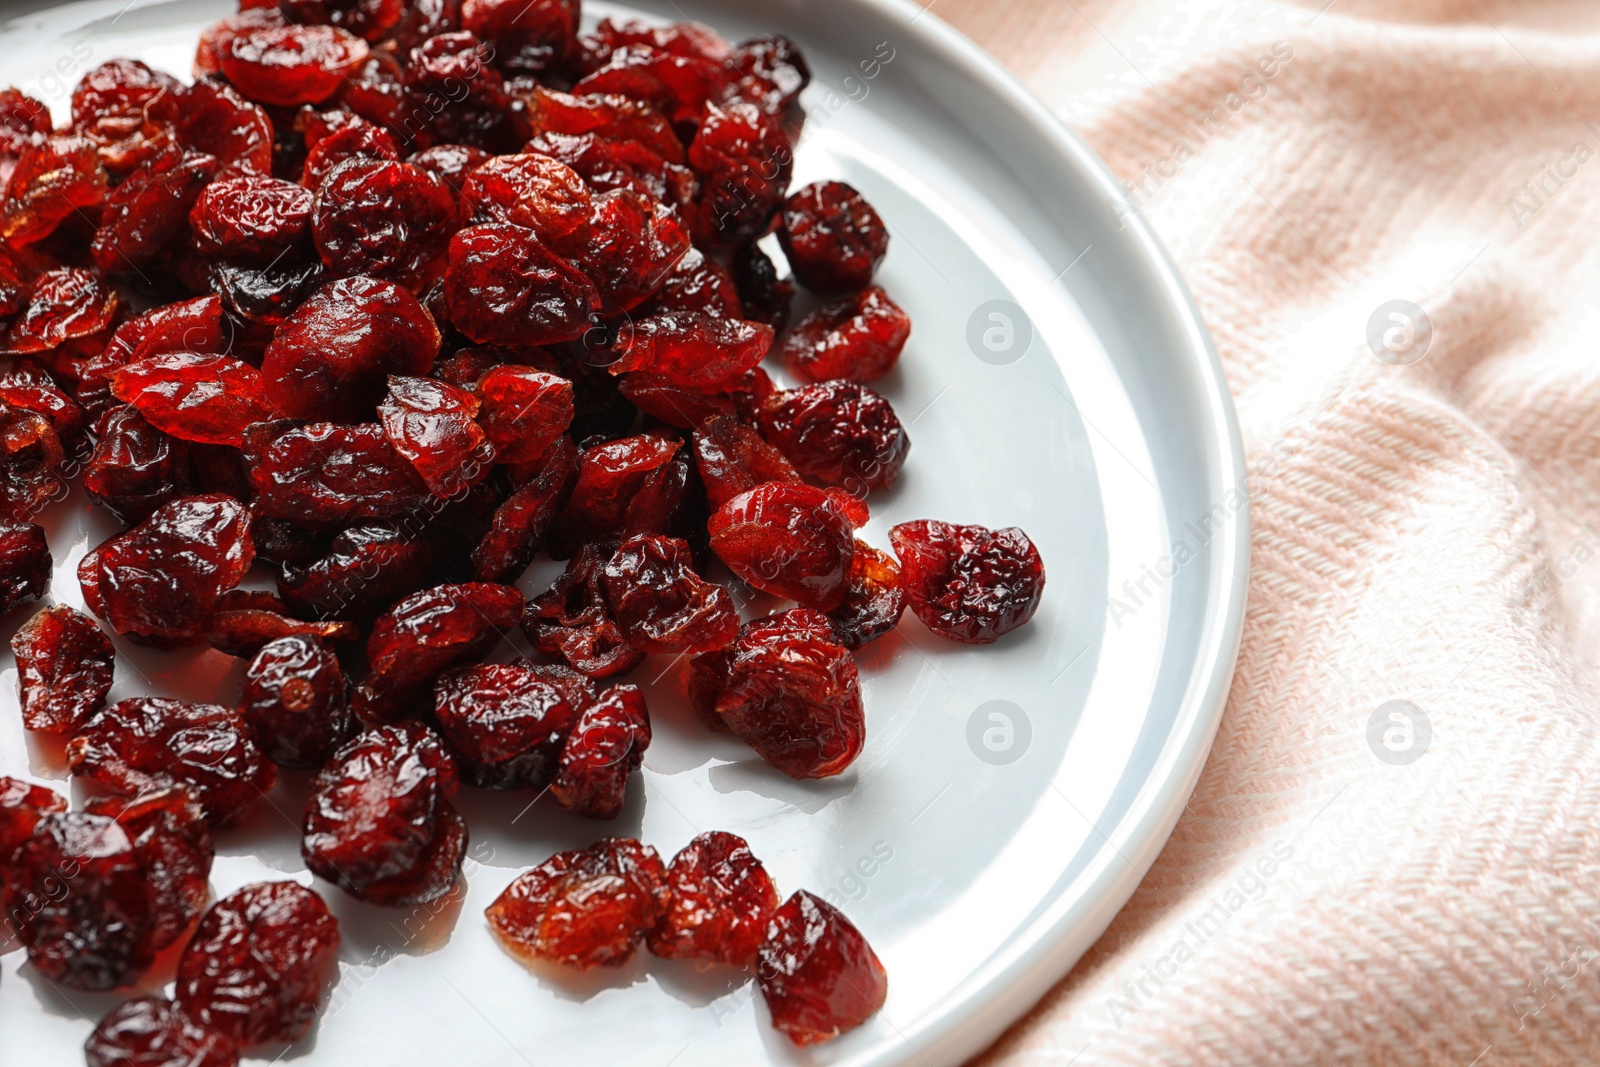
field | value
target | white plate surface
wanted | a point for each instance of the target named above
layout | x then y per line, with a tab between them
981	855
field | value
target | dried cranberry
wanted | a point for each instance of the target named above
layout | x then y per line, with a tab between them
584	908
533	34
152	1031
833	238
611	164
251	220
291	65
221	123
150	743
458	97
745	161
660	604
260	964
293	699
606	746
773	71
520	524
611	477
524	411
431	425
452	162
85	905
52	181
217	37
173	843
505	287
571	620
626	246
505	724
370	19
266	296
530	190
135	468
67	309
336	474
157	582
787	539
874	600
243	621
365	570
21	118
698	283
197	325
379	821
32	463
693	349
678	85
839	433
630	126
65	666
193	397
968	583
385	219
788	690
733	459
144	216
22	805
817	973
357	139
425	635
719	901
858	338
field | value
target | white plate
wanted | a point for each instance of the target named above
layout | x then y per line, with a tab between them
979	875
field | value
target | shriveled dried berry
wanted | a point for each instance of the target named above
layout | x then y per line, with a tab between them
217	37
773	71
858	338
745	161
336	474
365	570
452	162
833	238
266	296
505	287
68	309
534	35
677	85
661	604
355	139
144	216
425	635
135	468
733	459
719	901
524	411
788	690
520	523
293	699
817	973
52	181
65	666
154	1032
839	433
92	933
787	539
22	805
627	246
505	724
874	600
379	819
459	97
21	117
605	747
530	190
291	65
371	19
173	843
610	478
219	122
583	908
251	220
197	325
152	743
691	348
261	964
968	583
384	219
32	462
157	582
431	424
571	620
193	397
24	564
245	620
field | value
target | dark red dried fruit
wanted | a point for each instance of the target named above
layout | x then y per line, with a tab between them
817	973
425	635
745	161
837	432
32	463
217	37
530	190
788	690
24	565
144	216
661	604
519	526
874	600
79	889
787	539
452	162
173	843
244	621
532	34
858	338
458	97
611	477
691	348
734	459
68	309
260	964
524	411
611	164
21	118
719	901
571	620
219	122
157	582
431	424
22	805
65	666
135	468
627	246
336	474
379	823
605	747
152	743
384	219
331	359
193	397
365	570
154	1032
53	180
505	724
583	908
293	699
504	287
291	65
968	583
698	283
773	72
356	139
832	237
678	85
251	220
196	325
370	19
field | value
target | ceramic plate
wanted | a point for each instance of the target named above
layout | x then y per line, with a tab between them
1010	798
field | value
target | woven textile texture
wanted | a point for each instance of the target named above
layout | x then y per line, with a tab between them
1392	856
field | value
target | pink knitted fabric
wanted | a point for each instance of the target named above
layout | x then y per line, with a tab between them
1425	532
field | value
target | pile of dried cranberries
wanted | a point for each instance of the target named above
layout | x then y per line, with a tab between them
395	297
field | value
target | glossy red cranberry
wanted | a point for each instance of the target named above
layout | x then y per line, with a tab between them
788	539
173	843
605	747
431	424
260	965
873	601
968	583
52	180
65	665
218	121
520	523
336	474
505	287
839	433
208	399
135	468
69	314
572	620
584	908
293	699
744	160
22	805
832	237
817	973
524	411
505	723
152	1031
452	162
612	478
251	220
719	902
355	139
691	348
764	296
291	65
773	72
384	219
661	604
364	571
733	459
244	621
24	565
857	338
143	220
